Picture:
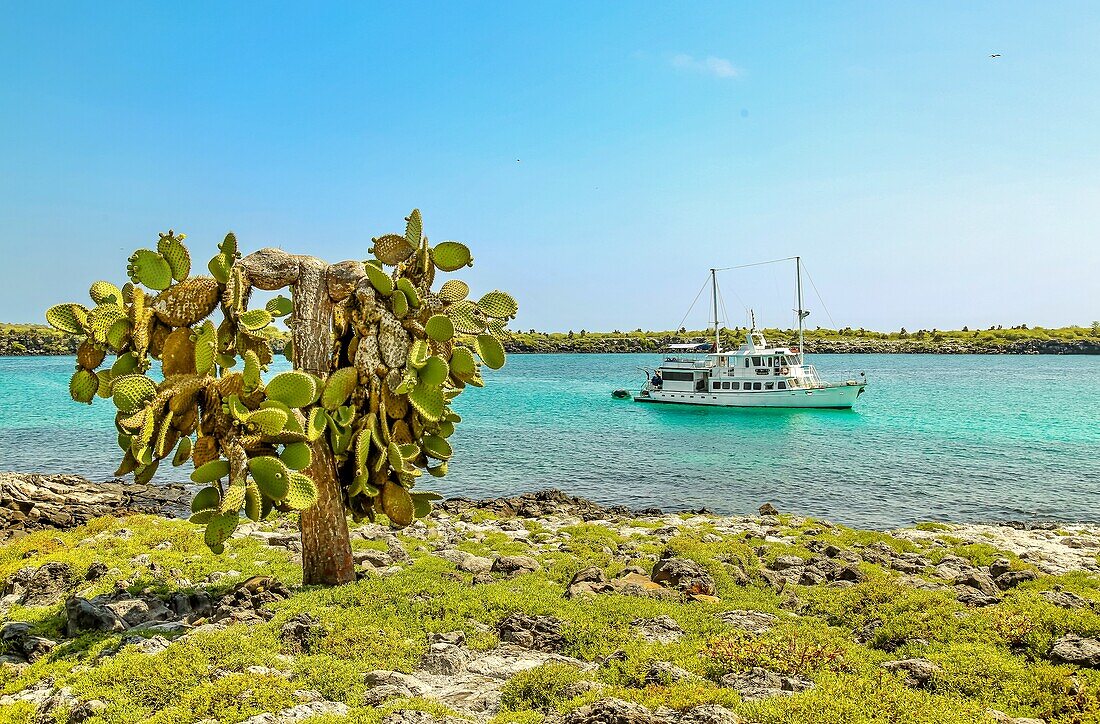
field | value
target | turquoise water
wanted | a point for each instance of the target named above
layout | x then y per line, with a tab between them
964	438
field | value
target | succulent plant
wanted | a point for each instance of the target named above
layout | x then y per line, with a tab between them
369	419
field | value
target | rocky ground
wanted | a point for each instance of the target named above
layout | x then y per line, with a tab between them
546	607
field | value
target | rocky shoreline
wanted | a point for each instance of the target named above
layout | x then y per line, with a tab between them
582	614
844	346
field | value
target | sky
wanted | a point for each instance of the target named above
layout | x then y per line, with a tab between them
598	158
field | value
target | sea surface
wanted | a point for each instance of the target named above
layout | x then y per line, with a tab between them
935	437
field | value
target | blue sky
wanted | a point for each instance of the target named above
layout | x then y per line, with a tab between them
925	183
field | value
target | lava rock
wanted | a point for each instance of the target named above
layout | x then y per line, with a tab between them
683	575
541	633
918	672
1074	649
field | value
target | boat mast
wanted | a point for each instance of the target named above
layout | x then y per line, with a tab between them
801	314
714	294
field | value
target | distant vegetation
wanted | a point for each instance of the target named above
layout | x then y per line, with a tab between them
31	339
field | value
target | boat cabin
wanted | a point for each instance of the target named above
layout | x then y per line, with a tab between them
755	366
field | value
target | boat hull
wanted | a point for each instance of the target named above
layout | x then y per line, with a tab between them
835	397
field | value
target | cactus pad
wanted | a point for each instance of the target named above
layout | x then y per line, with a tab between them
254	319
440	328
491	351
271	475
83	386
411	295
302	492
338	386
397	504
150	269
392	249
498	304
270	421
297	456
175	253
379	279
293	389
454	290
105	293
428	401
466	317
280	306
437	447
68	318
451	256
435	371
188	302
211	471
131	392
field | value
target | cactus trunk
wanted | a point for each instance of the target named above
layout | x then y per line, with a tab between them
326	547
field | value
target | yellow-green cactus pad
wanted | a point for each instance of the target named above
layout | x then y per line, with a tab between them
175	253
438	471
188	302
491	351
177	357
83	386
392	249
428	401
125	364
269	421
105	293
251	370
463	363
297	456
440	328
338	387
234	496
211	471
316	424
418	355
206	499
400	303
437	447
397	504
119	334
422	503
206	346
149	268
68	318
414	228
453	290
434	371
379	279
253	502
183	452
105	378
411	295
293	389
451	256
280	306
219	529
498	304
271	475
132	392
466	317
302	492
254	319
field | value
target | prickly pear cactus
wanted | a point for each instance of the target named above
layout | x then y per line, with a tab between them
401	351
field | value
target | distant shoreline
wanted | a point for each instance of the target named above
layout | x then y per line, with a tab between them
38	340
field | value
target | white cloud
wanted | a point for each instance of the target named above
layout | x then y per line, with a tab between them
711	65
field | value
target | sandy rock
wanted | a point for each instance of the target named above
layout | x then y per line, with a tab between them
466	562
683	575
758	683
918	672
710	714
660	629
611	711
515	565
754	622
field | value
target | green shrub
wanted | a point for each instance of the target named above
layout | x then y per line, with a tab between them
541	688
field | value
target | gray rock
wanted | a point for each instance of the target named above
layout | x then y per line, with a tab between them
16	638
84	615
683	575
754	622
1074	649
660	629
1065	599
999	567
782	563
42	586
979	581
710	714
300	713
1011	579
372	558
758	683
542	633
466	562
768	509
153	645
591	580
969	596
666	673
515	565
918	672
301	633
611	711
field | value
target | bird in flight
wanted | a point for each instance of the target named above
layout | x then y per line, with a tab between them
995	55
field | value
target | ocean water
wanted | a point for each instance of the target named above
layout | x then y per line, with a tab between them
959	438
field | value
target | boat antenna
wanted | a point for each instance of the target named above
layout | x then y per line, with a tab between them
802	314
714	293
752	318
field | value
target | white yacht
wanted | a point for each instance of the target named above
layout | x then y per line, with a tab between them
756	374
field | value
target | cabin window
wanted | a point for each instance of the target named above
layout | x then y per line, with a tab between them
726	385
769	385
756	385
746	361
716	385
735	385
673	376
756	362
782	385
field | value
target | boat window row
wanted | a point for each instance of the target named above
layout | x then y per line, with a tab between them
782	360
673	376
749	386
